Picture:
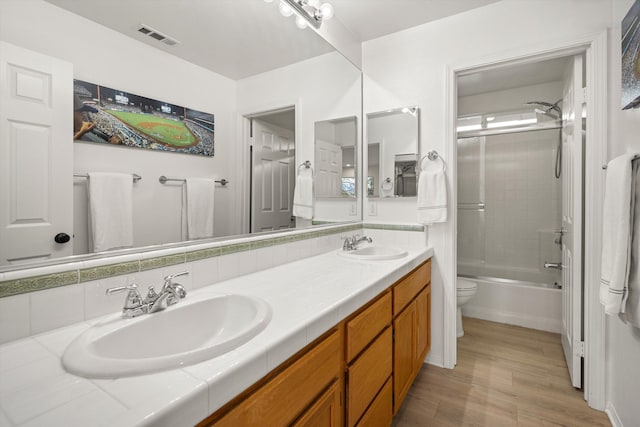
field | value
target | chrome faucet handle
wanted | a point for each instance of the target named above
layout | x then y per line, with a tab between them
168	279
133	304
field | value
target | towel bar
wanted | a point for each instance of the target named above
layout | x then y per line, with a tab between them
136	177
163	180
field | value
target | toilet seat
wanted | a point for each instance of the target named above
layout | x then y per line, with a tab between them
465	285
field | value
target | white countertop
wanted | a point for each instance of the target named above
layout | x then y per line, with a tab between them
308	297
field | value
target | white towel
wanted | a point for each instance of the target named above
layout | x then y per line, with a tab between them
303	194
198	208
432	196
632	312
110	210
616	234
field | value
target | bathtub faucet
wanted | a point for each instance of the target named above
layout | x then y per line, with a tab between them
556	265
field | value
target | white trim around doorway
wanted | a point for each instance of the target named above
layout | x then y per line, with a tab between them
595	47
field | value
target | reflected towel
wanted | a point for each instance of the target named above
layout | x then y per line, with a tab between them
432	196
616	234
110	210
303	194
198	208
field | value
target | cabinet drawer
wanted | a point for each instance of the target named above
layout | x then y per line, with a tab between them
380	413
283	399
367	375
409	287
363	328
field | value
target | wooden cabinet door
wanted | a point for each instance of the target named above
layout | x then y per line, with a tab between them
422	326
325	412
404	351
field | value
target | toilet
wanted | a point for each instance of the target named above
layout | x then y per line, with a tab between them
465	290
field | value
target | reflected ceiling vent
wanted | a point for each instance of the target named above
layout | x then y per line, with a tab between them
155	34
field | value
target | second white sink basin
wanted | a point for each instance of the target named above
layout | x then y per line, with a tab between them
374	253
186	333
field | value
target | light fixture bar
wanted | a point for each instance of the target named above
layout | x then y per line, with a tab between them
296	5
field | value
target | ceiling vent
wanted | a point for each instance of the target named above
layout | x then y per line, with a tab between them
155	34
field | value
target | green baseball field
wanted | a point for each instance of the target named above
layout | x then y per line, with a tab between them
165	131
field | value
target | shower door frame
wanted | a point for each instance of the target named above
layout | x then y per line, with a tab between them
594	46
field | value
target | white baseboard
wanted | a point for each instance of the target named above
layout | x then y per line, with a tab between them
613	415
435	361
518	319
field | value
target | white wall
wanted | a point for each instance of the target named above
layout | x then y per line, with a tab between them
623	341
100	55
318	96
410	68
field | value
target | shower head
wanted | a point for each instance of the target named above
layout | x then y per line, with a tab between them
548	107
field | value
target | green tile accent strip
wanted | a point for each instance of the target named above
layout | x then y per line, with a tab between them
102	272
203	254
395	227
162	261
237	247
38	283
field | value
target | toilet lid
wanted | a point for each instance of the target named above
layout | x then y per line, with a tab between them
464	284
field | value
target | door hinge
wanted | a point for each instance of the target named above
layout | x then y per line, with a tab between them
585	96
579	351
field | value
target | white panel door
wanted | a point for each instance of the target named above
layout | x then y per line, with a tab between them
36	155
572	152
273	177
328	179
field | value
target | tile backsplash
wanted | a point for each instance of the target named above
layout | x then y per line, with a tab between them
37	300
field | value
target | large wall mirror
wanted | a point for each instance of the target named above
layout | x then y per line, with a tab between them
392	152
270	86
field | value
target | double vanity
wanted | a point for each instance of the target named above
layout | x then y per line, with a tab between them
304	343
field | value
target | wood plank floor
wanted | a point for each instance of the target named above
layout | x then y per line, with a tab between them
506	376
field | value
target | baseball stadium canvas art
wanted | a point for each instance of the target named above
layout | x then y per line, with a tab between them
109	116
631	58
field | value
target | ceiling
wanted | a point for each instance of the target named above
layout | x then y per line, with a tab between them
370	19
512	76
241	38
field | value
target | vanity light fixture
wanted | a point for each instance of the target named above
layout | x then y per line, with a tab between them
308	12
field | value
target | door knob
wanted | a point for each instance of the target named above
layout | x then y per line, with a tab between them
62	238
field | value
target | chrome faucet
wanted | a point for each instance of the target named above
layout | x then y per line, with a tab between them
169	295
351	243
555	265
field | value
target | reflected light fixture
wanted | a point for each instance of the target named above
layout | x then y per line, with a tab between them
308	12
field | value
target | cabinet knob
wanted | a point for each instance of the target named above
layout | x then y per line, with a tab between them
62	238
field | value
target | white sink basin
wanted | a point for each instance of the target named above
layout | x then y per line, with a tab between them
186	333
374	253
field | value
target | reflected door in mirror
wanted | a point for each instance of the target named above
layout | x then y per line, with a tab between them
272	176
36	156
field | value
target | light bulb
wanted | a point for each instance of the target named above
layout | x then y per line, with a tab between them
314	3
326	11
285	9
301	23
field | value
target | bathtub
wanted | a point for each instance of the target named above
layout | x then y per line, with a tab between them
530	299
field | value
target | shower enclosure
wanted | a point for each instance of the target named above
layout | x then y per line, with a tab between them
509	201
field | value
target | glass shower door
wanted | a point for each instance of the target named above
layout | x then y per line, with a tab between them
471	198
